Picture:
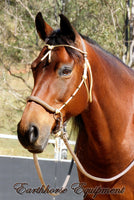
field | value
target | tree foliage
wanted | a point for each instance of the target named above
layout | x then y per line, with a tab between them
101	20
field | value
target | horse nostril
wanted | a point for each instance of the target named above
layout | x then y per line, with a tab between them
33	134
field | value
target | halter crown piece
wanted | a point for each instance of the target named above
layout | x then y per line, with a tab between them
63	134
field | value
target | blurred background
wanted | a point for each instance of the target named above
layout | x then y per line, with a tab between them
110	23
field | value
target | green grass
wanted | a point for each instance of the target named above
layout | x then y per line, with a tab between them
11	147
14	148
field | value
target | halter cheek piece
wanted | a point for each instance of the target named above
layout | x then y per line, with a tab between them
63	134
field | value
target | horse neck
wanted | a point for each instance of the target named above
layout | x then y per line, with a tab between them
107	122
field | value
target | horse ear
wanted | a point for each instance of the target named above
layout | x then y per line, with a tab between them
43	29
66	28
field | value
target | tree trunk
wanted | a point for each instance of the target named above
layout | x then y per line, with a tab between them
131	62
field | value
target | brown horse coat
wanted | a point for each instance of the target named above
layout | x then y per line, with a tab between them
105	145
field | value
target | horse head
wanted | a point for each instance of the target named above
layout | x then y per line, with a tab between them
57	73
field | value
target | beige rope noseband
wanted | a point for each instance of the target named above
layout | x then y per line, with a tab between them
63	134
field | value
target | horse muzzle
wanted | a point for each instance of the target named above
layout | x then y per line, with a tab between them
32	138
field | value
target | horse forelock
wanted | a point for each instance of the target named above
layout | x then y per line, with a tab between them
57	38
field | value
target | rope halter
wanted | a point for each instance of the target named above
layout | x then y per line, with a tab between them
84	77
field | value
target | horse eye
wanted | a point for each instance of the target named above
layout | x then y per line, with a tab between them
65	71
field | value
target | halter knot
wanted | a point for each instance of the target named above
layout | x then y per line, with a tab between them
84	76
57	111
85	54
50	47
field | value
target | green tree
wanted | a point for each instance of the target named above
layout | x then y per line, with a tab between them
102	20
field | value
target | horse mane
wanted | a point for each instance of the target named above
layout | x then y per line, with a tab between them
93	42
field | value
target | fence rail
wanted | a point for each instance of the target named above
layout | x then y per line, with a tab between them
14	137
60	150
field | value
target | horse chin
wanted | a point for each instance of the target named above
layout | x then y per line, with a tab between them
56	127
55	130
38	149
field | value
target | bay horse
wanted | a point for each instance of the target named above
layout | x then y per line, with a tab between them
103	106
